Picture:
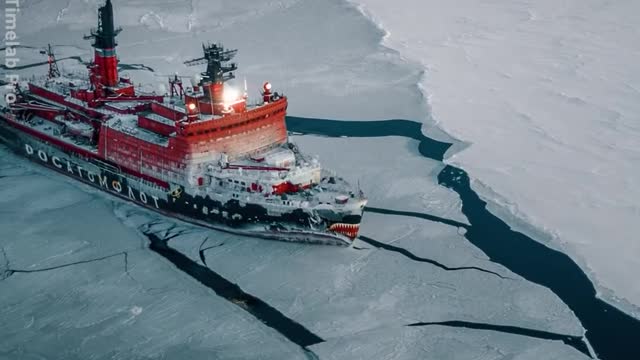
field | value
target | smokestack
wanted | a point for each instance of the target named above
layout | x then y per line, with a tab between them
106	26
105	46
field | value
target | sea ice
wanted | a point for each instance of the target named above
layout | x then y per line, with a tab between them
546	93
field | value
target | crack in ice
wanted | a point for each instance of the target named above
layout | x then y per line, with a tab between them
262	311
423	216
202	251
170	233
429	147
609	330
414	257
7	266
577	342
8	272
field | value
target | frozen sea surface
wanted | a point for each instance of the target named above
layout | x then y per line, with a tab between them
80	282
102	293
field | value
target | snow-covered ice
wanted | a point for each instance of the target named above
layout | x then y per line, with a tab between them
547	94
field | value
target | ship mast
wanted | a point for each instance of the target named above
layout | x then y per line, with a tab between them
54	72
219	70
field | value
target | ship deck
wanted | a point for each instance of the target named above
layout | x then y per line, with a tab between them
52	130
128	124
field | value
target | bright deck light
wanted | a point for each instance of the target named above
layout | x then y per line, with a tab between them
230	95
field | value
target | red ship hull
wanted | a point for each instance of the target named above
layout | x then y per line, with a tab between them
202	154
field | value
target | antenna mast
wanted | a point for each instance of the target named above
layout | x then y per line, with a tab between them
216	58
219	70
54	72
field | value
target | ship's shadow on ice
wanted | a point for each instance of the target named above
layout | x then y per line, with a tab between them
612	333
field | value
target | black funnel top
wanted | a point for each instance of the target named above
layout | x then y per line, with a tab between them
105	34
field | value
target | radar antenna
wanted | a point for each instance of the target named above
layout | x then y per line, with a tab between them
217	58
